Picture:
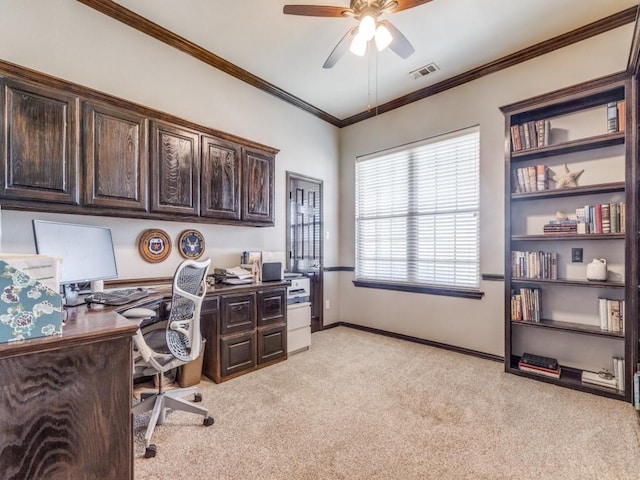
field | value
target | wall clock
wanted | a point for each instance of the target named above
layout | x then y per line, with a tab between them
191	244
154	245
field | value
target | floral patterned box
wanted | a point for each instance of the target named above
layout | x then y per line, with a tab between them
28	308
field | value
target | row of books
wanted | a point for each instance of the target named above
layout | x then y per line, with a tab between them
615	116
526	305
612	314
538	264
598	218
534	178
561	226
602	218
529	135
540	365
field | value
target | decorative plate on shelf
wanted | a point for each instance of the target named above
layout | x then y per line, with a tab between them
191	244
154	245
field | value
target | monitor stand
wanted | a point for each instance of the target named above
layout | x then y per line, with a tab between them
72	298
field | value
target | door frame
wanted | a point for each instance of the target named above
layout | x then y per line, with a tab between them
320	294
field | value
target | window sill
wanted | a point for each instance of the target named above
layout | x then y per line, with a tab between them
412	288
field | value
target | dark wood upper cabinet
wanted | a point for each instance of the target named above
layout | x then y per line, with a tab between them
257	175
116	158
220	179
175	169
40	143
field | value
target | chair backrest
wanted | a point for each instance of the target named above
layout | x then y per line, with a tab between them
183	327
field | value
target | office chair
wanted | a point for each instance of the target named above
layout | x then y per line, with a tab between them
169	344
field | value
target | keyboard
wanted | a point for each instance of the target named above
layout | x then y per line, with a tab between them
116	297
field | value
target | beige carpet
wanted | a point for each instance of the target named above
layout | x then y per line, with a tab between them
363	406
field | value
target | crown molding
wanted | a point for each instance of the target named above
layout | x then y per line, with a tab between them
142	24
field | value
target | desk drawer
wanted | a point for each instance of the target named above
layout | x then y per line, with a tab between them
298	315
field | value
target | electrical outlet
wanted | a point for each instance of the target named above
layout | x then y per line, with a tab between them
327	304
576	255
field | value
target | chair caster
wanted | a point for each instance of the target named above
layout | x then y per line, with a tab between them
150	451
208	421
197	397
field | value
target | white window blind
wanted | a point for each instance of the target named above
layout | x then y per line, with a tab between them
417	213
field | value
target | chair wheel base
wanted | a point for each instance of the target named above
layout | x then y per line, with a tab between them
197	397
208	421
150	451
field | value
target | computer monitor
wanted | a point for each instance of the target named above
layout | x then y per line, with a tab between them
86	251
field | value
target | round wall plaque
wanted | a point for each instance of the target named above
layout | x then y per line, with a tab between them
154	245
191	244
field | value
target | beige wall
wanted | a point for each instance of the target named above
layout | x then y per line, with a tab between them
472	324
66	39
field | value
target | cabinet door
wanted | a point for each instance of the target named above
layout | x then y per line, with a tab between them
272	343
220	179
257	182
271	306
116	157
237	353
175	169
39	143
238	313
55	400
209	318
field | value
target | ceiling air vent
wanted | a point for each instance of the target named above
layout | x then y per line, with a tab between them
424	71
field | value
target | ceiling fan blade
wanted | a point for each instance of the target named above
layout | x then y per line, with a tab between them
316	10
341	48
399	44
405	4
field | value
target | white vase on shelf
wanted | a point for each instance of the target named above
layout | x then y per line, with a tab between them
597	269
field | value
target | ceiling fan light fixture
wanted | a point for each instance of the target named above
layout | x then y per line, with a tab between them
367	27
358	45
383	37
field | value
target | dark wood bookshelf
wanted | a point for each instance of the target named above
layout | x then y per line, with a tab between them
580	145
573	283
569	327
569	236
572	191
566	101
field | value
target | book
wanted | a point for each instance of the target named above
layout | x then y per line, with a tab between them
538	370
621	116
539	361
602	313
542	182
612	117
606	218
515	138
618	371
595	378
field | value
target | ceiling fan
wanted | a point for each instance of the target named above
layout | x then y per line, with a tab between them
367	12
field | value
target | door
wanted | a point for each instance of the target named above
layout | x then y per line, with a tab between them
304	237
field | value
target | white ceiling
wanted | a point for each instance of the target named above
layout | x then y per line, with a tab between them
288	51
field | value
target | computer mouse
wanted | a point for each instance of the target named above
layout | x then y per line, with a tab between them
138	312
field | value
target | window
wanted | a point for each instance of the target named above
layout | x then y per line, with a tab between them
417	210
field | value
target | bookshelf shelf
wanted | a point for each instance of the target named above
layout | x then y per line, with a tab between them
571	192
568	327
593	112
568	236
573	283
583	144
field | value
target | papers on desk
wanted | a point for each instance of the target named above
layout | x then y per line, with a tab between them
233	275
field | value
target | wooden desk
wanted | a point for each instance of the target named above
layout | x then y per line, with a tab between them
66	401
